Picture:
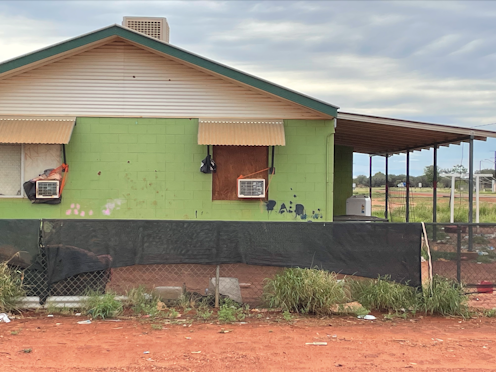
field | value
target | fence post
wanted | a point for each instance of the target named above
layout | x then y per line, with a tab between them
217	277
458	253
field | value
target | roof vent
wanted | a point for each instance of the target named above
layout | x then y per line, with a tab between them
157	28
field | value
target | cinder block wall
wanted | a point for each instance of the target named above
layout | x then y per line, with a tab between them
135	168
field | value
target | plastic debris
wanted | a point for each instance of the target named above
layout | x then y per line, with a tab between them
146	352
4	318
367	317
317	343
188	338
77	314
84	322
225	331
195	352
50	315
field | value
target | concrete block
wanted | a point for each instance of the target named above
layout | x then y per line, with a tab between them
227	287
168	293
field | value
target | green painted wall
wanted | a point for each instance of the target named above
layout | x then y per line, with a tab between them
343	178
125	168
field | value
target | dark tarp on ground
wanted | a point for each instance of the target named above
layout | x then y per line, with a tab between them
19	236
363	249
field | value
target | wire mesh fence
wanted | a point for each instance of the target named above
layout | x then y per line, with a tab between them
466	253
242	283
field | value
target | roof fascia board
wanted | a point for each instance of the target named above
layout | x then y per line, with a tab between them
415	125
173	51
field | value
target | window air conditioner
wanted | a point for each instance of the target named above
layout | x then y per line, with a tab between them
47	189
251	188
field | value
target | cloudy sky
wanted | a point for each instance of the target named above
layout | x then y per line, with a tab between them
431	61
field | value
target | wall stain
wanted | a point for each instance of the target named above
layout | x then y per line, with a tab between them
270	205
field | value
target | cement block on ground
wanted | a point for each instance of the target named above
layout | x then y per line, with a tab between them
168	293
227	287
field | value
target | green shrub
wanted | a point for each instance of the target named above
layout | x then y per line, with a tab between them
383	294
10	288
231	311
304	291
446	298
102	306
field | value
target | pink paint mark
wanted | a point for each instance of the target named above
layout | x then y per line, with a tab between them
91	213
76	212
106	212
77	206
82	214
72	206
68	212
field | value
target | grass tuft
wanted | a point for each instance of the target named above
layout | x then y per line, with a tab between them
10	288
102	306
310	291
141	301
383	294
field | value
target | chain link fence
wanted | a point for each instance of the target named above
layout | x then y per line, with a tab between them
466	253
242	283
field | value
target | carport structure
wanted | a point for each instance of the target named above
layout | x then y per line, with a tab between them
379	136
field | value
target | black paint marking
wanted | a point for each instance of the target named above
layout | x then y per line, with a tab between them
196	214
283	208
291	189
294	196
299	209
290	203
270	205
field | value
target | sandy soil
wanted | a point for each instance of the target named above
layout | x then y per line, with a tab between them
60	344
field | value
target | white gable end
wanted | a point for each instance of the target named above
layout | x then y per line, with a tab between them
120	79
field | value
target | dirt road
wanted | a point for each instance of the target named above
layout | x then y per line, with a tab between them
60	344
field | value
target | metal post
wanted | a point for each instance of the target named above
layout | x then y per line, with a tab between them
470	191
477	187
217	277
452	199
434	188
458	253
434	195
386	190
407	207
370	178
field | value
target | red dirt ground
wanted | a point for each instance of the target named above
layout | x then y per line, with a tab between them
430	343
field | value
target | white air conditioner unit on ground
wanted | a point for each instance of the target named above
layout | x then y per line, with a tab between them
47	189
251	188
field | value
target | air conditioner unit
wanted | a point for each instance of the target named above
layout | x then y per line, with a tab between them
47	189
251	188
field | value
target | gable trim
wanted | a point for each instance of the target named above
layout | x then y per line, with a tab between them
175	52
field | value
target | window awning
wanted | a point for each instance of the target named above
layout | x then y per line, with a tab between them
36	130
241	132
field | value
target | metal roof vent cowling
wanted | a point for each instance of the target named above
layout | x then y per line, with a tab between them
155	27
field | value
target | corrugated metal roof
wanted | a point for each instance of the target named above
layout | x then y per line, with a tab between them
36	130
241	132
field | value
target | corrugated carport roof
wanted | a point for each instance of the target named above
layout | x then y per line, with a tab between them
378	136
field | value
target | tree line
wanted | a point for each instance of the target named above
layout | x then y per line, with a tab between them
426	179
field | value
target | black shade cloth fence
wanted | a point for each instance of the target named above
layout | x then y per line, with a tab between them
72	247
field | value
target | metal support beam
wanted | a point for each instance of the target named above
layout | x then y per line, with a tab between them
370	178
470	191
407	207
386	190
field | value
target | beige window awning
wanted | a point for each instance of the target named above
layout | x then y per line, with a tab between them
241	132
36	130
